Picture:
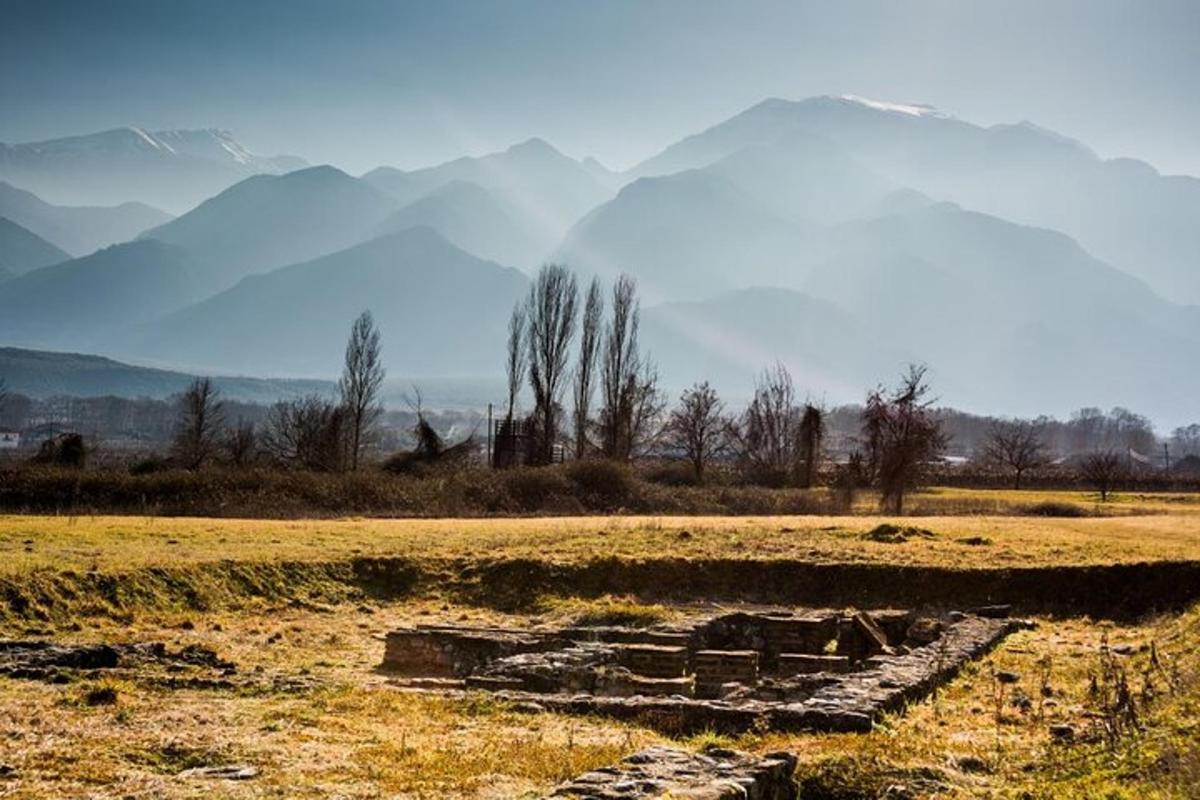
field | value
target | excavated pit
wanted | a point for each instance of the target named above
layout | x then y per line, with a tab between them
777	668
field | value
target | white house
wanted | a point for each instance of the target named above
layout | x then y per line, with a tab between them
9	440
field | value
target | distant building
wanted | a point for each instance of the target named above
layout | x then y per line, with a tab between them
9	440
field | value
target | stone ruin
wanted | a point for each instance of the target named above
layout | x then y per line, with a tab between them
714	774
779	669
40	660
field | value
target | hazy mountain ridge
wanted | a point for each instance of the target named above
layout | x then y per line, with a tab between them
168	169
439	308
995	306
268	221
684	236
1017	171
472	218
40	374
77	230
814	232
84	302
22	250
544	191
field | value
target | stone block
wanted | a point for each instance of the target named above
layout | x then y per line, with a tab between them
807	663
715	668
652	660
661	772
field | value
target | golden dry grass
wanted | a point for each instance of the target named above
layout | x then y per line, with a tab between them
342	731
81	543
351	734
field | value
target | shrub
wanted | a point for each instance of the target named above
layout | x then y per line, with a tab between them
150	465
64	450
535	488
1051	508
601	484
671	473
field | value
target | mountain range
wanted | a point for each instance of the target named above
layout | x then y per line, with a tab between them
172	170
77	230
41	374
841	236
22	250
1121	210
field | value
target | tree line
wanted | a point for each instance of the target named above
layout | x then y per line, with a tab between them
596	395
312	432
777	440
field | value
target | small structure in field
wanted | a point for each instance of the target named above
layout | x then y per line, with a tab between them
781	669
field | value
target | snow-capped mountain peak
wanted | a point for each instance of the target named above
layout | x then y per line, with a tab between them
911	109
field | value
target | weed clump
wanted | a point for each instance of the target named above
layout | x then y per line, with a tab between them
102	694
890	533
1052	508
607	610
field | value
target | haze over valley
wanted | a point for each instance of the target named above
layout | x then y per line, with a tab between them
838	235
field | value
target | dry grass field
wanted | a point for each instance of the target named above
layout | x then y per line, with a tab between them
1127	529
307	708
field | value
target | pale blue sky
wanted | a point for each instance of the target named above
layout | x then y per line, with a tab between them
363	83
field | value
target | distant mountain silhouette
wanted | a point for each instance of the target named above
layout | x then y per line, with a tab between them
77	230
442	312
685	237
82	303
1121	210
841	236
22	250
41	373
544	191
470	217
996	307
268	221
167	169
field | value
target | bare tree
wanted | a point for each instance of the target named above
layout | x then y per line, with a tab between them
812	434
904	434
585	369
3	398
1017	446
768	434
698	426
1102	469
628	383
309	433
551	310
649	405
241	443
198	428
1185	440
517	357
362	378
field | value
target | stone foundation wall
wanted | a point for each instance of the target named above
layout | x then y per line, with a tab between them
714	774
882	662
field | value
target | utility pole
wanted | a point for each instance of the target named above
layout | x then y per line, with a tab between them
1166	457
491	460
